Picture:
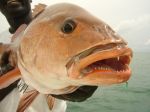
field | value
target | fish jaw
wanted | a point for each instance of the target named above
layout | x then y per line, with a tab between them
106	67
46	85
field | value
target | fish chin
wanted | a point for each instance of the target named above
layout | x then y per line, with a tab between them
101	66
45	84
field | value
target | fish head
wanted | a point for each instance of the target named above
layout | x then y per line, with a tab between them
66	47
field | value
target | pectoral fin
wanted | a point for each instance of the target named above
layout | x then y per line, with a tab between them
26	100
50	101
9	78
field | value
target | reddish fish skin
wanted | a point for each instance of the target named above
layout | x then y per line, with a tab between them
9	78
46	71
52	49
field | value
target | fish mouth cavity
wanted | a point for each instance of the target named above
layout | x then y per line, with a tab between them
111	58
115	64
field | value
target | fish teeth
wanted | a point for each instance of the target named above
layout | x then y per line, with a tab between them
118	47
120	70
90	69
118	58
76	59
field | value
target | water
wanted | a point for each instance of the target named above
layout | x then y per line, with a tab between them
120	98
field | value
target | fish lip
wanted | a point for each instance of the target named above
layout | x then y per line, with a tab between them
77	64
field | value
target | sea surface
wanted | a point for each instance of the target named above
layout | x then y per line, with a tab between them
134	97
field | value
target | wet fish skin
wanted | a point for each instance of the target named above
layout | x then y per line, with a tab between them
44	49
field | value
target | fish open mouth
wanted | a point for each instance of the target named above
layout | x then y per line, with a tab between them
117	64
107	64
113	64
99	65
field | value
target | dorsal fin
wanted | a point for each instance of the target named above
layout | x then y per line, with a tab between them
38	10
9	78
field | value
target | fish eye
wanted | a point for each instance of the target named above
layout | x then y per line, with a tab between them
68	26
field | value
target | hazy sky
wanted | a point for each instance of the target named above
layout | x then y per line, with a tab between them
131	18
111	11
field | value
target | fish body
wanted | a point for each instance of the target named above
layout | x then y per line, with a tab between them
66	47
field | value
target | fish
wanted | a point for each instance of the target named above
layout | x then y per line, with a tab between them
65	47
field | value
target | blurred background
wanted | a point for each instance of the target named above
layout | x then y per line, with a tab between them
131	19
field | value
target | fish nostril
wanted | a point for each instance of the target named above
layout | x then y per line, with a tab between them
96	28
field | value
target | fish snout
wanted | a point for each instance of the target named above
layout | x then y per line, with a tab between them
101	65
107	34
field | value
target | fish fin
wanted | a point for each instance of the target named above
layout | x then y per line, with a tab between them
50	101
18	31
25	101
9	78
38	9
